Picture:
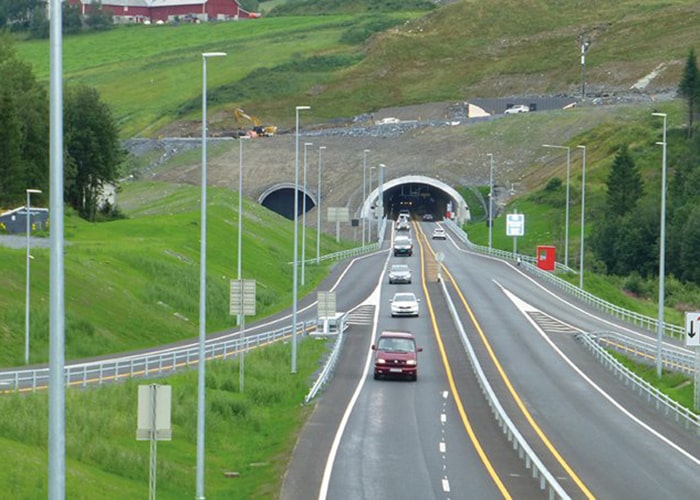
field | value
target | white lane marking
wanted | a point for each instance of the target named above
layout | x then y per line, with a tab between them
445	485
443	447
524	307
443	418
373	299
445	394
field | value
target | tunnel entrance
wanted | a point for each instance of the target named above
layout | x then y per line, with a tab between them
280	199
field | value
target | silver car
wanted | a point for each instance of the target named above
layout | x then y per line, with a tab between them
399	273
404	304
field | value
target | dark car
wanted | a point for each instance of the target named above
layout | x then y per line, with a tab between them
428	217
396	354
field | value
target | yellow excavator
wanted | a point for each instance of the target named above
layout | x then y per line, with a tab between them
258	130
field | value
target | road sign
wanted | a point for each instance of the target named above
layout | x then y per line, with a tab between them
515	224
326	304
692	329
242	298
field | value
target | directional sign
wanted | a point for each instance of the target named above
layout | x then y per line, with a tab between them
242	297
692	329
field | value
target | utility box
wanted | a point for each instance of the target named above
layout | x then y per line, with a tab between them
546	257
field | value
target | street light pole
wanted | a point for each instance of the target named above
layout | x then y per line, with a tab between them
380	197
364	192
318	210
662	254
490	215
568	184
584	49
296	240
29	257
369	193
303	221
201	361
583	216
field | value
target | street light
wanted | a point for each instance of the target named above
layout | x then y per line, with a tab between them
202	284
583	215
369	192
568	179
296	240
490	216
318	210
380	197
364	191
240	213
303	221
584	48
662	253
29	257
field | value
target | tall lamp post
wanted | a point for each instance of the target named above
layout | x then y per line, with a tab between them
662	253
583	215
201	361
568	182
364	191
490	215
296	240
240	213
29	258
318	210
380	197
584	48
369	193
303	221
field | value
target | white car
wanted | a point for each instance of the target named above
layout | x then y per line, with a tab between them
439	234
404	304
399	273
518	108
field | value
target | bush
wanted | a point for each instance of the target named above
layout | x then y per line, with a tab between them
635	284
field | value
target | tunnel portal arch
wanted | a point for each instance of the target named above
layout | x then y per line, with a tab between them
280	199
414	192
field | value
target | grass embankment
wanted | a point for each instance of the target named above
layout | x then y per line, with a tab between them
252	433
333	63
134	283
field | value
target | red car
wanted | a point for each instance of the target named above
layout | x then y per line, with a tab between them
396	354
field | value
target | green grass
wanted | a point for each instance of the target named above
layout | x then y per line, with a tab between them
252	433
134	283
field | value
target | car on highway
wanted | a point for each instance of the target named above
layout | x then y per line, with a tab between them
399	273
403	225
403	245
428	217
396	354
518	108
439	234
404	304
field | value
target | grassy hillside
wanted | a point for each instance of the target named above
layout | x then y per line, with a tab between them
461	50
135	283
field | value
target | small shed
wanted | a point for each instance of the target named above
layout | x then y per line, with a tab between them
15	221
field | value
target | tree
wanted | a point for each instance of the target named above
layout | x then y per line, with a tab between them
93	152
624	184
72	22
689	88
98	18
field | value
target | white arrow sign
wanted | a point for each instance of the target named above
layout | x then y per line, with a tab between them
692	329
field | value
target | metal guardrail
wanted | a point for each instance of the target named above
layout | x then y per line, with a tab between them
671	359
661	401
144	365
532	461
329	367
640	320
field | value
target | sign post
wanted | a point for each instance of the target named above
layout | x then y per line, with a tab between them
242	302
515	226
326	309
154	403
692	339
338	215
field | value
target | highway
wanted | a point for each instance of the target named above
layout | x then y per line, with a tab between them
436	438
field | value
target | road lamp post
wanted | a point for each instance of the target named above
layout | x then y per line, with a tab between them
318	209
369	193
583	216
490	215
380	197
29	258
568	183
364	192
202	285
303	221
662	253
240	215
584	48
295	286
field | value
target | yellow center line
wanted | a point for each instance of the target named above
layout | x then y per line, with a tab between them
515	395
450	379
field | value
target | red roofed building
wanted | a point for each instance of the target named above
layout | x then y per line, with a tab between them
139	11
